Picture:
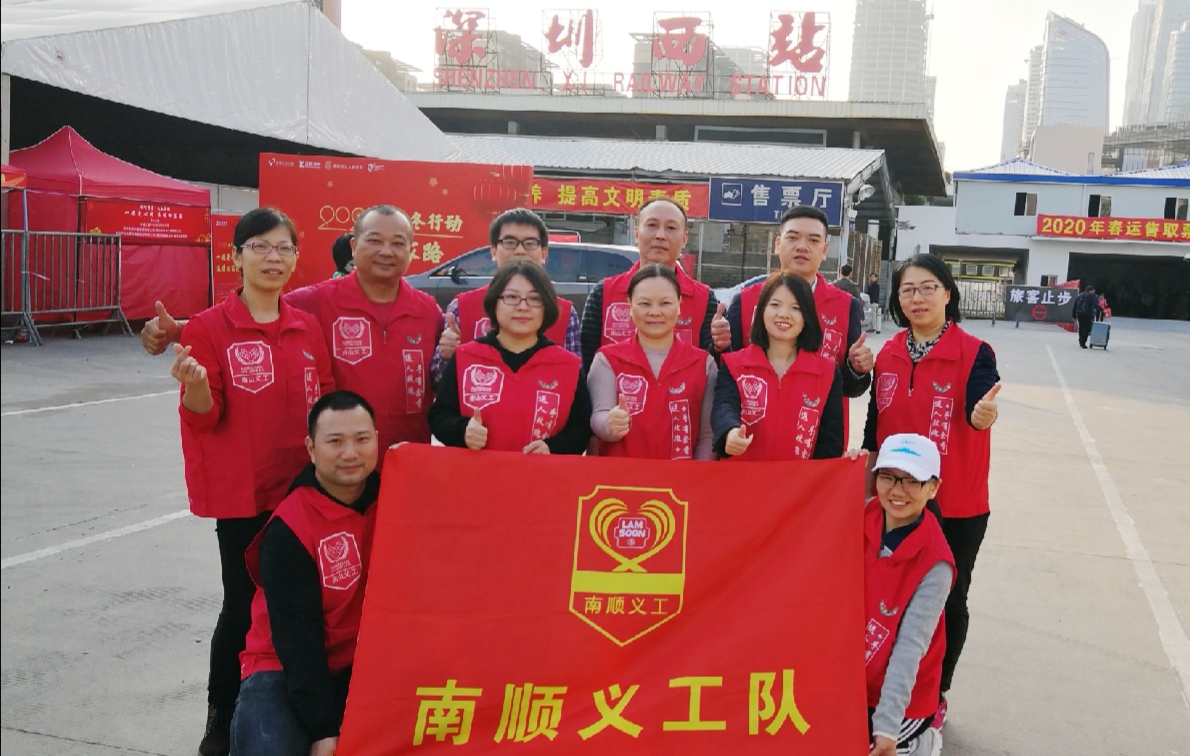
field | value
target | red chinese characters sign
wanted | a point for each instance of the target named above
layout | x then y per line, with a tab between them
224	277
449	204
633	610
459	40
1122	229
613	197
148	221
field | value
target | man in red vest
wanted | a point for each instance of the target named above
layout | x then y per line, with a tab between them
310	565
514	233
379	330
801	248
660	237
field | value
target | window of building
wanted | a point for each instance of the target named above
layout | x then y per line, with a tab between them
1049	280
1026	204
1098	206
1175	208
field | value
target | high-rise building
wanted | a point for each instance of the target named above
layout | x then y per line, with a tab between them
1032	96
1135	107
1175	93
1014	120
889	50
1168	17
1074	76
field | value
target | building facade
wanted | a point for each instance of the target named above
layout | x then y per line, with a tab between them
1139	46
1014	120
889	51
1175	93
1168	17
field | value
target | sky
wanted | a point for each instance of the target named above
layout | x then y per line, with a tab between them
977	47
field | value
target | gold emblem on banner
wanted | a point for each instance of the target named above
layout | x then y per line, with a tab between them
629	560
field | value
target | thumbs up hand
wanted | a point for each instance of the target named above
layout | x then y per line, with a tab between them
451	337
619	420
720	330
159	331
738	441
986	411
476	435
860	356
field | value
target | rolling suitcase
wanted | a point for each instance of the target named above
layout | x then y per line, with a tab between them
1100	333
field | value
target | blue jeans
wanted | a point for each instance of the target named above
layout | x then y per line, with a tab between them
265	723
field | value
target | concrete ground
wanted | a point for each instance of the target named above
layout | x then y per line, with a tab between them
1079	605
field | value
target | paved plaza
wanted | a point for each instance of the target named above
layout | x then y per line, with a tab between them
1080	600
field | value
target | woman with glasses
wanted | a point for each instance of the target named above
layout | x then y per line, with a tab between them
651	395
778	398
938	381
514	389
250	369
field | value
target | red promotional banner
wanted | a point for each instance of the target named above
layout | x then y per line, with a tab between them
224	277
584	195
148	221
1126	229
627	607
450	204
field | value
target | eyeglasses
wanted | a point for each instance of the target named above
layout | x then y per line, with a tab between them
909	485
510	243
514	300
926	290
285	249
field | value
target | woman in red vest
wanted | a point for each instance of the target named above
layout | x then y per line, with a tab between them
251	367
514	389
908	571
651	395
778	398
938	381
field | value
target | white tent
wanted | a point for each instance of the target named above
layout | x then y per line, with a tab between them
274	68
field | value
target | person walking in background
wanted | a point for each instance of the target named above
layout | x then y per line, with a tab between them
845	283
1086	305
874	298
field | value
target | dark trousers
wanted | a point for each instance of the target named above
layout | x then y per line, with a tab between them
964	535
265	721
234	535
1084	328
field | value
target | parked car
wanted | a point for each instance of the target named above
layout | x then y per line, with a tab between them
574	269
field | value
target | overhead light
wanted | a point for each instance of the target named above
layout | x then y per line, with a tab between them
865	191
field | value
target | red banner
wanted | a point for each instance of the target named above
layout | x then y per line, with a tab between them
613	197
627	607
1125	229
148	221
450	204
224	277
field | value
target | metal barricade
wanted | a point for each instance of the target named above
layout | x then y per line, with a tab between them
981	298
14	288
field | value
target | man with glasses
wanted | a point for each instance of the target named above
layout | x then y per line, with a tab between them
379	330
514	233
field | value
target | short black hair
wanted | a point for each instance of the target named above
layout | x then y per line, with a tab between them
655	200
654	270
846	269
804	211
261	221
1088	288
336	401
520	215
810	338
930	264
341	252
357	229
537	278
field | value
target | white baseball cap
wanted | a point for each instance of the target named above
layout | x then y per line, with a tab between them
916	455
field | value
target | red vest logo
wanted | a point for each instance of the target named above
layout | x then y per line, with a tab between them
313	387
886	388
754	398
251	365
876	635
683	330
832	343
941	411
807	431
413	361
635	390
339	561
482	386
617	322
545	414
351	340
681	429
482	326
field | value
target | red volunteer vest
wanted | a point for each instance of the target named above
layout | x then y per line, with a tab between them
617	314
889	584
241	459
520	407
782	414
339	541
474	322
834	313
665	409
931	400
381	352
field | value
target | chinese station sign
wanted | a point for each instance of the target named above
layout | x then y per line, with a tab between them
799	50
151	222
613	197
1120	229
765	200
629	611
450	205
1049	304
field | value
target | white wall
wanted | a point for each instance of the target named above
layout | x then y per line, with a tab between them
231	199
987	207
936	225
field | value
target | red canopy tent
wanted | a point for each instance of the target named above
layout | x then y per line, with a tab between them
165	224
